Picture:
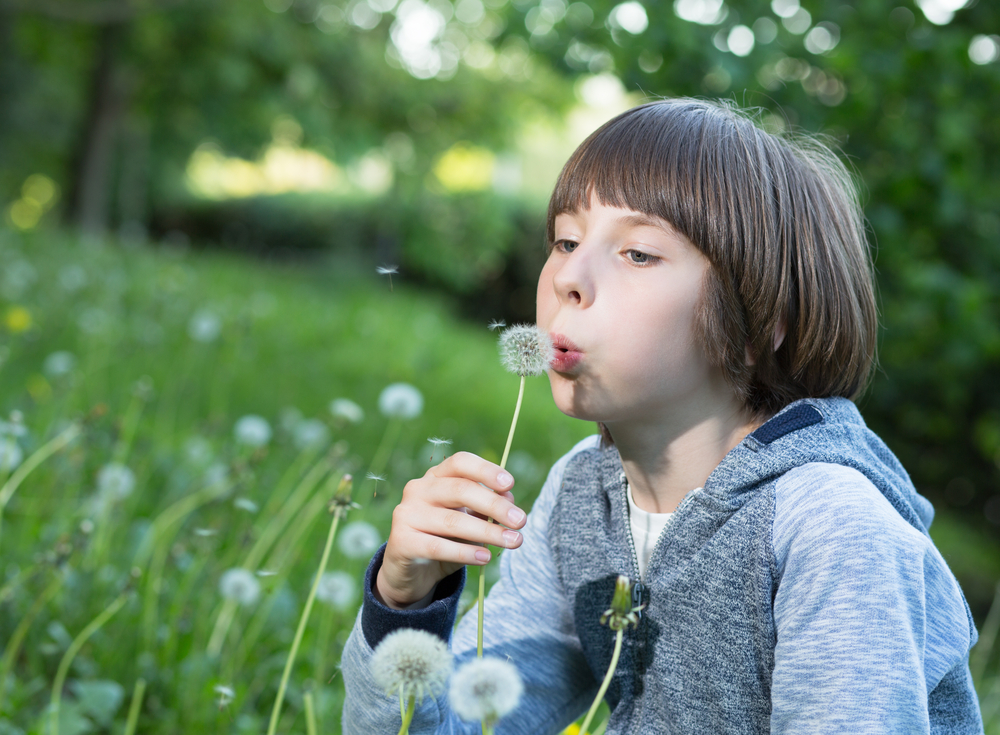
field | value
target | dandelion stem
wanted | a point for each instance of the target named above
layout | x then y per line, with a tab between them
407	714
14	644
482	570
135	706
74	648
307	700
604	684
337	513
40	455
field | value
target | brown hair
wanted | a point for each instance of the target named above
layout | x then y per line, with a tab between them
778	219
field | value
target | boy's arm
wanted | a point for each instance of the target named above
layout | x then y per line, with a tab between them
527	620
873	633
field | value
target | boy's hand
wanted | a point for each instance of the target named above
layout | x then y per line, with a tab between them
440	525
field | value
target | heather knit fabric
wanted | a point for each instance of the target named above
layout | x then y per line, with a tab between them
797	592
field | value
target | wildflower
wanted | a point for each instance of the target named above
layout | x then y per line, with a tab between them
359	539
526	350
245	504
401	400
115	481
622	613
337	589
310	433
205	326
10	454
345	408
18	319
485	689
226	695
240	585
411	663
496	324
58	364
253	431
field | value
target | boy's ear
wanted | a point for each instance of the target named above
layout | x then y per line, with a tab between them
780	331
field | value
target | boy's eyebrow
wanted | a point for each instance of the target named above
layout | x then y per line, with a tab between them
645	220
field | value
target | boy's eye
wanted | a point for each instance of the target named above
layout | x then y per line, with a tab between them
640	258
566	246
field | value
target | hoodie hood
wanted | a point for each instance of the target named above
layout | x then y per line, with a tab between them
828	430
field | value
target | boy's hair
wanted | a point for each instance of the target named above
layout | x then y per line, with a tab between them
778	219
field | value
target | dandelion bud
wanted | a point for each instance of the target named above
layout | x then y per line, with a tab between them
411	663
526	350
342	498
485	689
621	613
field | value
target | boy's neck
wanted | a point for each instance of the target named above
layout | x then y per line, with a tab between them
664	462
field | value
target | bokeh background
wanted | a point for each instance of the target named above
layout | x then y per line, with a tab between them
195	197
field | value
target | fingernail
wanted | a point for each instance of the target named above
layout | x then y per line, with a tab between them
482	555
504	479
515	516
510	538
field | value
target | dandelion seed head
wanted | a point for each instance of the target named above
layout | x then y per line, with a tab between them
240	585
252	431
310	433
337	589
345	408
401	400
58	364
115	482
496	324
526	350
358	540
10	454
205	326
412	662
485	689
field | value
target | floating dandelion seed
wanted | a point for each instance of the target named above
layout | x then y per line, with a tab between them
526	350
388	270
359	539
485	689
411	663
337	589
437	442
240	585
401	400
245	504
496	324
226	695
265	573
348	410
205	532
252	431
377	479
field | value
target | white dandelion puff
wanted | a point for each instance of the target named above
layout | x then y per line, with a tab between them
310	433
58	364
337	589
485	689
10	454
252	431
526	350
411	663
205	326
245	504
348	410
401	400
496	324
115	481
240	585
359	539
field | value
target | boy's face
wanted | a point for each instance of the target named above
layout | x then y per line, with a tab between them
619	293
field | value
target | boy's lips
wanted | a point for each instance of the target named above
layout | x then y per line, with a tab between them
568	355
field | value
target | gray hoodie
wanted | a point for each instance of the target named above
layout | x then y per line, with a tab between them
798	591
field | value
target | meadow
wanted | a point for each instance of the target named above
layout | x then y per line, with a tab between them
174	426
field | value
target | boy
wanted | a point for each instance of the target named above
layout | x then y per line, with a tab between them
708	290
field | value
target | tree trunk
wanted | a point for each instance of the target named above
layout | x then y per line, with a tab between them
93	163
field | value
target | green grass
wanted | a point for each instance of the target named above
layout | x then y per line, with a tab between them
123	591
290	339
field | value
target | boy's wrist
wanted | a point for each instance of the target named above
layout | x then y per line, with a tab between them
384	594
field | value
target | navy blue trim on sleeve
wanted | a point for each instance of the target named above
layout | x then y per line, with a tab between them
378	620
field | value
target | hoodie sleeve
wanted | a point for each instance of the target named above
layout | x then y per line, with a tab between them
527	620
873	632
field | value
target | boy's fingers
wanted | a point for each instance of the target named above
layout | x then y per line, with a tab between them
475	468
435	548
461	493
455	524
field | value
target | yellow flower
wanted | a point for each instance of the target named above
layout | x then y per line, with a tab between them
18	319
573	729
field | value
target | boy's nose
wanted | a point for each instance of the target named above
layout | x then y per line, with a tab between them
573	282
